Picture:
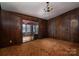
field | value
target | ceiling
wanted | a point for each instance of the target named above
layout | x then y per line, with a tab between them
37	8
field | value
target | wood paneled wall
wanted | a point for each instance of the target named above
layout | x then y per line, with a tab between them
43	28
11	23
11	29
42	23
61	27
0	24
43	32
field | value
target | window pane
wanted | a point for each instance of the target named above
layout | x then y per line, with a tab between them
28	28
35	29
23	28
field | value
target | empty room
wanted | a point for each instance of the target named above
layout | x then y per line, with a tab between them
39	28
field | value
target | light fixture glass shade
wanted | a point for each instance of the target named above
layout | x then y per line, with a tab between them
48	7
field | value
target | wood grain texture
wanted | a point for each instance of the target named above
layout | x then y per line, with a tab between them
11	29
11	24
60	26
42	23
43	47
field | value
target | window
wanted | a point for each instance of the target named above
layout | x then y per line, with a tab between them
35	29
28	27
23	26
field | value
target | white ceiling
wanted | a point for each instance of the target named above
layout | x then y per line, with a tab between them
37	8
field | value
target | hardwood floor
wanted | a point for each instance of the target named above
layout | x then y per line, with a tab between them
42	47
27	38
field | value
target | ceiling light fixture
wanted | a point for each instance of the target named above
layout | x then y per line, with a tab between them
48	7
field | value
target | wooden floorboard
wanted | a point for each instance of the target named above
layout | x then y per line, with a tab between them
42	47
